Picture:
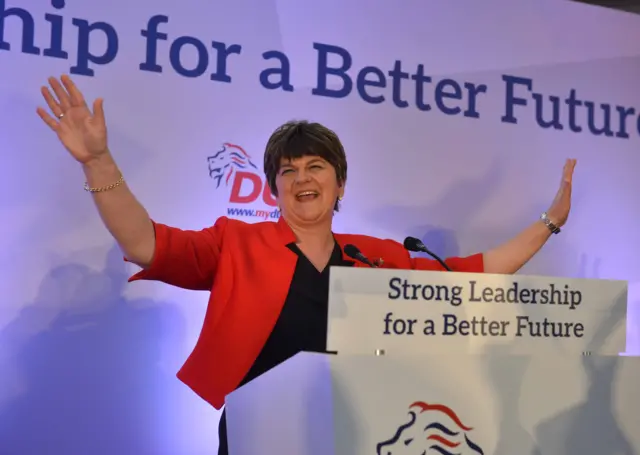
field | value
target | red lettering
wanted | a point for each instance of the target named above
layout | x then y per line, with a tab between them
239	178
256	187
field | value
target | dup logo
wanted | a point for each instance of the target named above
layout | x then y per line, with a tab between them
431	429
232	165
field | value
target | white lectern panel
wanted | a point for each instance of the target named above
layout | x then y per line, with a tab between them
442	404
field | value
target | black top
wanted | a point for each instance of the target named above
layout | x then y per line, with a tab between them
302	325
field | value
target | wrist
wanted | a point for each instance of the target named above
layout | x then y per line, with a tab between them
102	160
549	223
101	170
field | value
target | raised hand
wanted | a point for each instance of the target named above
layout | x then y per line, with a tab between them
559	210
83	133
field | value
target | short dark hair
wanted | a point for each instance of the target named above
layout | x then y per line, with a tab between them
296	139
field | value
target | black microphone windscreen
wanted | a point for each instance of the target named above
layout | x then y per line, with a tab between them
413	244
416	245
352	251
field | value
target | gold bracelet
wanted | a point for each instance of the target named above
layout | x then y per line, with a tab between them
116	184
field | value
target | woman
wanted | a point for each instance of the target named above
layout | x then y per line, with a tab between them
268	281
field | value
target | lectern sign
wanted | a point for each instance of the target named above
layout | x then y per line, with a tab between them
407	311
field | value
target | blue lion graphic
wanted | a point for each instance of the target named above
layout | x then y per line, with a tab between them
223	163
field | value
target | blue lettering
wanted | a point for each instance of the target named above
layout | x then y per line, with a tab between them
511	100
253	213
202	56
371	77
283	72
397	76
336	78
55	50
599	117
555	112
623	113
55	44
85	56
363	82
152	36
324	71
443	93
473	90
573	103
222	52
28	29
605	129
455	93
421	80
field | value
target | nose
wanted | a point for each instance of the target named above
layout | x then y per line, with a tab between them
302	176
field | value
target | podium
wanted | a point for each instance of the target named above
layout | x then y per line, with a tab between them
480	364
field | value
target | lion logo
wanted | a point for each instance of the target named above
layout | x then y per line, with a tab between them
431	429
225	161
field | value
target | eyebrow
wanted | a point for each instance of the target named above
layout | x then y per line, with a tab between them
313	161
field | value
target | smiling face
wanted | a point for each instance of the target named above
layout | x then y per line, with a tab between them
306	170
307	189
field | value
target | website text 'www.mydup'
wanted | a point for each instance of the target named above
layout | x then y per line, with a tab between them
253	213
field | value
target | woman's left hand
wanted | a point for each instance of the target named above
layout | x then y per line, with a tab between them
559	210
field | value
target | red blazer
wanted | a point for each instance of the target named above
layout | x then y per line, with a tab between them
248	269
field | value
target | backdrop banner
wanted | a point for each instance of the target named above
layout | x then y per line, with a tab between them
456	119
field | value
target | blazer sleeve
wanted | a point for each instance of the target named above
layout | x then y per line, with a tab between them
186	259
472	264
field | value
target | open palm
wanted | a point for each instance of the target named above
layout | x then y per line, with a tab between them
83	133
561	205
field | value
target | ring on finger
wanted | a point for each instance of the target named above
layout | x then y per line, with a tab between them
60	116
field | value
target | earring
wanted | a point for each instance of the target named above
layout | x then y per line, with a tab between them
339	198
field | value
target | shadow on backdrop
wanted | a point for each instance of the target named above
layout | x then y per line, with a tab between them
88	364
56	194
455	209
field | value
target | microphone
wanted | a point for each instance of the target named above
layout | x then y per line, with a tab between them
414	244
354	253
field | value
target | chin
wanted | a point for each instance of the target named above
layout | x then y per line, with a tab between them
311	219
312	216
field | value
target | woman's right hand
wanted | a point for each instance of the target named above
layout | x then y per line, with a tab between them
82	133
